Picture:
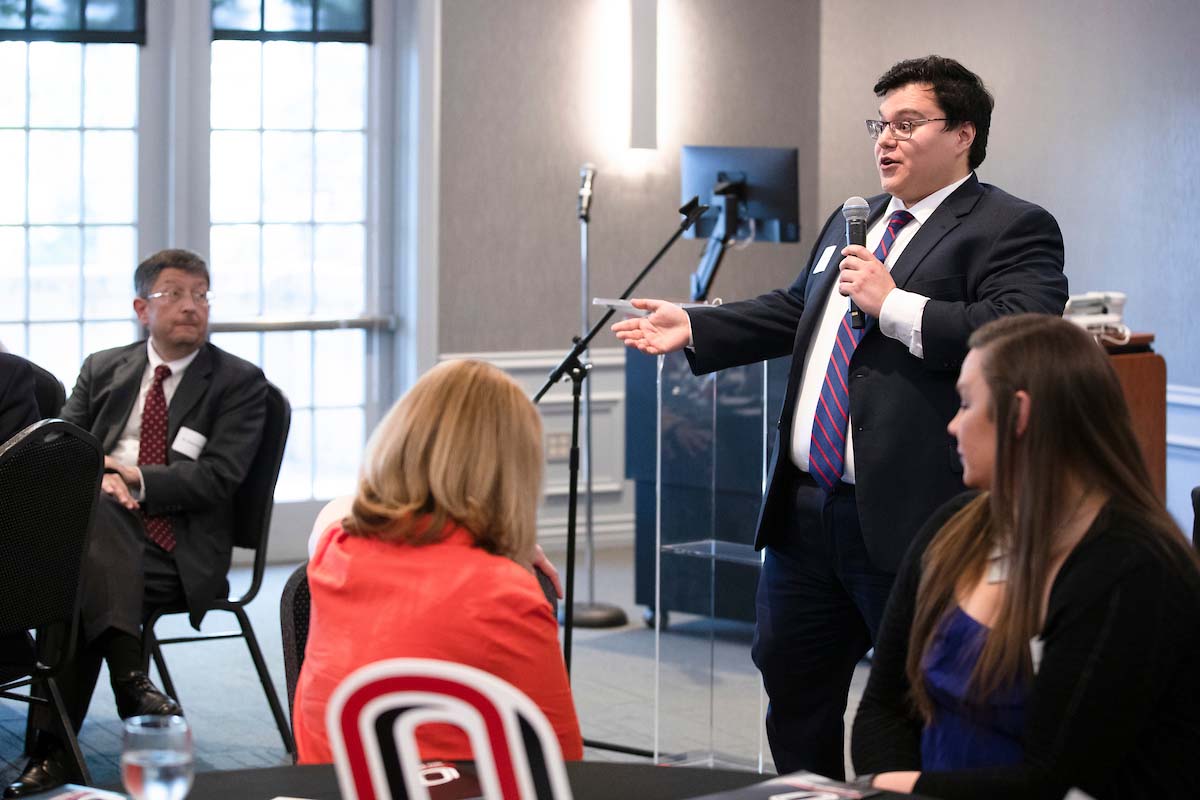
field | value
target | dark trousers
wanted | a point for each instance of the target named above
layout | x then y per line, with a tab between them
125	575
819	604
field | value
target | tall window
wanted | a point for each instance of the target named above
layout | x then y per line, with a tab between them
68	177
289	234
288	195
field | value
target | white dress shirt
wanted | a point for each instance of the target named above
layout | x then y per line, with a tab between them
899	319
126	450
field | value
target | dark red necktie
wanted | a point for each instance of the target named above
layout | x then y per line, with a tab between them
152	449
827	449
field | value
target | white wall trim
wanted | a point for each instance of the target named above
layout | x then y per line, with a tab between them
515	360
291	525
1184	401
1183	450
599	400
1184	442
609	530
563	490
1180	395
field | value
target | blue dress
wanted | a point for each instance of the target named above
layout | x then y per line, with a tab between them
962	735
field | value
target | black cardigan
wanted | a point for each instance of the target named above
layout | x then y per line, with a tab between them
1114	708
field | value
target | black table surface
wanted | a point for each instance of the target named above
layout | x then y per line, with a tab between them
590	780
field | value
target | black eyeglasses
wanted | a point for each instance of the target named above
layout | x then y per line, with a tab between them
902	129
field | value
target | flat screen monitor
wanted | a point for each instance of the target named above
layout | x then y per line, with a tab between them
771	194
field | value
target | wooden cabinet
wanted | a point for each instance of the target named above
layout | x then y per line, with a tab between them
1143	376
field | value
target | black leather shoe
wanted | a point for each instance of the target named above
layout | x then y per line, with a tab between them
40	775
136	695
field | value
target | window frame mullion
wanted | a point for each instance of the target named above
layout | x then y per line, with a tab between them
173	112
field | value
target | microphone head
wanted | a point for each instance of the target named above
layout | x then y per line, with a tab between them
856	208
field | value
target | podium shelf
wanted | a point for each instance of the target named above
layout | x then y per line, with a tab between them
717	550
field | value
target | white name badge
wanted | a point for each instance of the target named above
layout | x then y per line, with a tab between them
823	261
189	442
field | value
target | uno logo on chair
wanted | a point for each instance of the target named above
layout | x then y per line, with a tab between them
373	716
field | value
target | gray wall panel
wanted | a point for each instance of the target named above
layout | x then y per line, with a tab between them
1097	108
521	107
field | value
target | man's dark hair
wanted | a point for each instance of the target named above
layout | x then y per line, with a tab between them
147	272
960	93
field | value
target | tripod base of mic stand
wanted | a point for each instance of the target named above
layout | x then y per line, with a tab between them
596	615
618	748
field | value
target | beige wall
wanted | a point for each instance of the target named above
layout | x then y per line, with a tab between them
1097	113
531	89
1097	104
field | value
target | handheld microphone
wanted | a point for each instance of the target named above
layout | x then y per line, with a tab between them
856	211
587	173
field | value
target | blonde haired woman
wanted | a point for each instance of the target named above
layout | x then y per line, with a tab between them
434	558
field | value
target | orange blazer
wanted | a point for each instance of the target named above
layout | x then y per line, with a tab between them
373	600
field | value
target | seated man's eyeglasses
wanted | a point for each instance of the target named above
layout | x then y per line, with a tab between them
902	129
174	296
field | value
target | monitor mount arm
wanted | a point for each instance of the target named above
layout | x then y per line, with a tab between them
730	194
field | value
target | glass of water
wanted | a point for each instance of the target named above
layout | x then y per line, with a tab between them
156	758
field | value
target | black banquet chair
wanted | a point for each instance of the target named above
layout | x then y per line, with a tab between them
253	504
48	392
294	606
1196	517
49	478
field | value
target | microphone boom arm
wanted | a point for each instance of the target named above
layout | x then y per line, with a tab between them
691	211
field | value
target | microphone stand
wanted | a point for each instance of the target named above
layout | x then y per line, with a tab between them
589	614
571	366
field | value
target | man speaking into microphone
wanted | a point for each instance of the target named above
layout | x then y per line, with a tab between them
862	456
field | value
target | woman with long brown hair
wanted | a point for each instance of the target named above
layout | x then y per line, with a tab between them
434	557
1044	632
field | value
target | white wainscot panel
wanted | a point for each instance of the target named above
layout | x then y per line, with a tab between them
1183	451
612	495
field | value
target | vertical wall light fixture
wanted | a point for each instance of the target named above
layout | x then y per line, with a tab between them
643	112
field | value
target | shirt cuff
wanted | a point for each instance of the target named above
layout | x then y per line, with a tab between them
900	319
140	494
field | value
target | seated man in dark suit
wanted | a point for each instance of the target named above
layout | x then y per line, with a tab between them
18	404
180	421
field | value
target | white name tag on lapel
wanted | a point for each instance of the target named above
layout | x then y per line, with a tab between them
823	261
189	442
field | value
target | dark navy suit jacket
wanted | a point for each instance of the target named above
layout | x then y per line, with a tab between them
981	254
18	403
220	397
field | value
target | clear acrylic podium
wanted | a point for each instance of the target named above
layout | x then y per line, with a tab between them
714	436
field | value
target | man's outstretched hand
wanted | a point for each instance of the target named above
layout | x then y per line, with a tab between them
666	330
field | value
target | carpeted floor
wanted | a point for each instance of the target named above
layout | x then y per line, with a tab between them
708	684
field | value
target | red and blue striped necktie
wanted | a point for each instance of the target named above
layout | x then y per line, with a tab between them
827	450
